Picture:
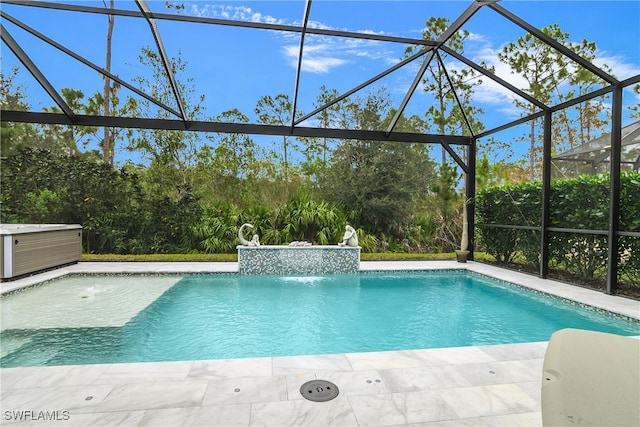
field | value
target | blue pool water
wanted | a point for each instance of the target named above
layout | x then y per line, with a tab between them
233	316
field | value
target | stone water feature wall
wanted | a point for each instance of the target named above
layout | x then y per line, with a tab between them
298	259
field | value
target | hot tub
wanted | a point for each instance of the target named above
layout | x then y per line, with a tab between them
27	248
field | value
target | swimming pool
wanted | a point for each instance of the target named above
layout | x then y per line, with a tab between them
111	319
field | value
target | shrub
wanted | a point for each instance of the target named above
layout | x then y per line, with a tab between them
577	203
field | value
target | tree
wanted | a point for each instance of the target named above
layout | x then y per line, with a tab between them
548	72
172	154
45	187
635	109
96	105
326	117
41	186
490	173
379	183
496	150
228	169
277	111
447	204
446	115
592	115
108	144
543	67
451	113
13	136
236	152
66	138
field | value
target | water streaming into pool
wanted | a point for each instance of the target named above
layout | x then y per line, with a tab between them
164	318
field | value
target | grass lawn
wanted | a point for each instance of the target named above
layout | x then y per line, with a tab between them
388	256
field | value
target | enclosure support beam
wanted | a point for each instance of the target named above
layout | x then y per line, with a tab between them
85	61
546	190
455	95
37	74
225	22
471	195
305	21
614	192
514	123
554	44
487	73
166	62
442	39
245	128
363	85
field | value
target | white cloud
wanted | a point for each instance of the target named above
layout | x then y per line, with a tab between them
476	37
316	58
492	92
321	53
621	69
236	13
487	53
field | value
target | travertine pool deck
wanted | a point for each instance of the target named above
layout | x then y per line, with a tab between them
484	386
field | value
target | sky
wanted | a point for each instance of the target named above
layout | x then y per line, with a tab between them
234	67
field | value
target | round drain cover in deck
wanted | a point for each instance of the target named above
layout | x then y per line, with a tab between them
319	390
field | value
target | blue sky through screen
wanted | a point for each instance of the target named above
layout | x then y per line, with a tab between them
233	67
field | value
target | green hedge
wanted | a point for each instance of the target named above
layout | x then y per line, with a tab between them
579	203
